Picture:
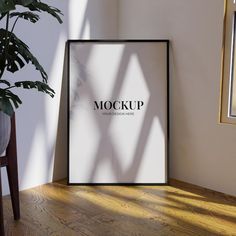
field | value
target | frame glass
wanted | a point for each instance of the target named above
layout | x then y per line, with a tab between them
118	107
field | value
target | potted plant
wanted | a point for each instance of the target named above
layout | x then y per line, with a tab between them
14	55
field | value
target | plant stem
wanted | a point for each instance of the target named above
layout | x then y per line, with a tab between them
7	21
13	27
9	87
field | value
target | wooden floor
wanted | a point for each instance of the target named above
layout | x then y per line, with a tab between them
181	209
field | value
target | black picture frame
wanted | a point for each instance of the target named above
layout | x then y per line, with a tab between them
68	44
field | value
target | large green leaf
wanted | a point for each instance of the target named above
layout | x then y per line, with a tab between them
33	5
23	2
8	5
8	101
26	15
40	6
40	86
17	55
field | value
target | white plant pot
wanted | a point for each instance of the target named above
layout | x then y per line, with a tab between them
5	131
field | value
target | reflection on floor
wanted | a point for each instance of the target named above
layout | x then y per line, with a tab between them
181	209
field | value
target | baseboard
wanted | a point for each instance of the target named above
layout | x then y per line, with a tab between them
198	189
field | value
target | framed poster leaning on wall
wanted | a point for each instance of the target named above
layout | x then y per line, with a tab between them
118	108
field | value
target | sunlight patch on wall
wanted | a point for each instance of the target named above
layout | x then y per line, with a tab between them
135	86
77	18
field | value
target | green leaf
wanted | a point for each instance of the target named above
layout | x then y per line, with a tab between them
18	54
40	6
6	106
40	86
33	5
15	99
5	82
23	2
6	5
8	101
26	15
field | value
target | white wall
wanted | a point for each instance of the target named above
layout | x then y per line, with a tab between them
38	138
202	151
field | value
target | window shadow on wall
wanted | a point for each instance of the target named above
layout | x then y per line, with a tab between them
130	174
34	138
153	110
97	29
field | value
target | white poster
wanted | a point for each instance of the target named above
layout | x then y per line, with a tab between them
118	112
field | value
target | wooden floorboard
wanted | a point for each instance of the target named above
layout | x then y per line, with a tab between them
181	209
